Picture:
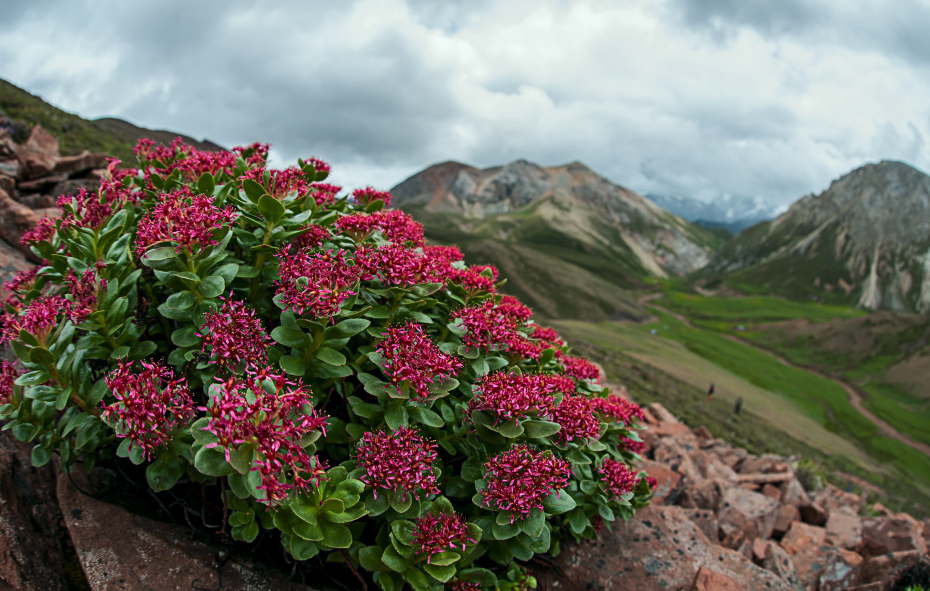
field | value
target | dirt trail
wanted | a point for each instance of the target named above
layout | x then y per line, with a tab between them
855	398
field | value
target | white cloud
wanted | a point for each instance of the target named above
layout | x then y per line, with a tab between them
670	96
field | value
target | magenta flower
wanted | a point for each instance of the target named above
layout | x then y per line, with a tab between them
324	193
576	416
315	282
395	265
459	585
411	359
255	154
519	347
369	195
486	327
39	318
519	478
183	219
434	533
618	409
632	446
619	478
318	165
398	461
472	279
84	294
43	231
579	367
514	308
396	226
275	423
518	396
546	337
8	375
87	210
281	183
149	404
198	162
312	237
20	284
234	334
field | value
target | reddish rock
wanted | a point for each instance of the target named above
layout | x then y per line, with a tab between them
119	550
660	549
32	556
666	479
37	201
7	184
759	547
764	464
12	169
844	529
711	467
840	571
793	493
73	186
880	569
745	516
899	533
675	429
706	520
661	414
706	494
804	544
777	561
703	433
12	262
41	183
732	458
830	498
16	219
787	514
39	154
711	580
813	514
70	165
771	491
669	452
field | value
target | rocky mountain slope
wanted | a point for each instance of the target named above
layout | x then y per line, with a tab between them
571	236
864	241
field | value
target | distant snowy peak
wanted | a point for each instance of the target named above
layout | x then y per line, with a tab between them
733	211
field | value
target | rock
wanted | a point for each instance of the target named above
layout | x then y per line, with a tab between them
830	498
711	467
37	201
7	184
660	549
841	570
12	262
844	529
669	452
900	533
73	186
16	219
813	514
706	494
733	458
675	429
41	183
787	514
70	165
771	491
703	433
711	580
880	569
12	169
764	464
39	154
706	521
803	543
661	414
119	550
793	493
32	553
667	480
745	516
759	547
777	561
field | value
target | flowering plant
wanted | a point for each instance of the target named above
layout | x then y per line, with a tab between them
345	385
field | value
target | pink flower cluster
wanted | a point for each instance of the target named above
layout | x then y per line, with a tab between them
618	409
281	183
255	154
324	193
234	334
149	405
395	225
315	282
84	294
8	375
369	195
184	219
434	533
398	461
579	367
412	359
396	265
318	165
274	422
518	396
519	478
576	416
491	325
619	478
459	585
39	318
632	446
41	232
88	210
546	337
23	281
312	237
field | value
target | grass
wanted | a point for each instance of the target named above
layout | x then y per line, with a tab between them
754	309
664	370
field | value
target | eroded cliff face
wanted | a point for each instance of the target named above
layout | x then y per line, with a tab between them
571	199
866	238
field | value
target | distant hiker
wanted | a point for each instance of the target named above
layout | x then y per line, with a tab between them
710	392
739	405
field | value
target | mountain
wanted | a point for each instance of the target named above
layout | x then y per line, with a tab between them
569	239
864	241
730	212
75	134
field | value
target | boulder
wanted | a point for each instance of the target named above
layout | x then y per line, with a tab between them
666	480
7	184
39	154
777	561
120	550
16	219
41	183
711	467
787	514
745	516
844	529
71	165
793	493
899	533
880	569
12	169
764	464
771	491
671	453
706	521
813	514
660	549
804	544
840	571
830	498
703	433
711	580
33	554
706	494
12	262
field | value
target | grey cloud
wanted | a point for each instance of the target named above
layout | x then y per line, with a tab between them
772	17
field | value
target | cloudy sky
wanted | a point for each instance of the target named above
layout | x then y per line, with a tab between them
770	98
